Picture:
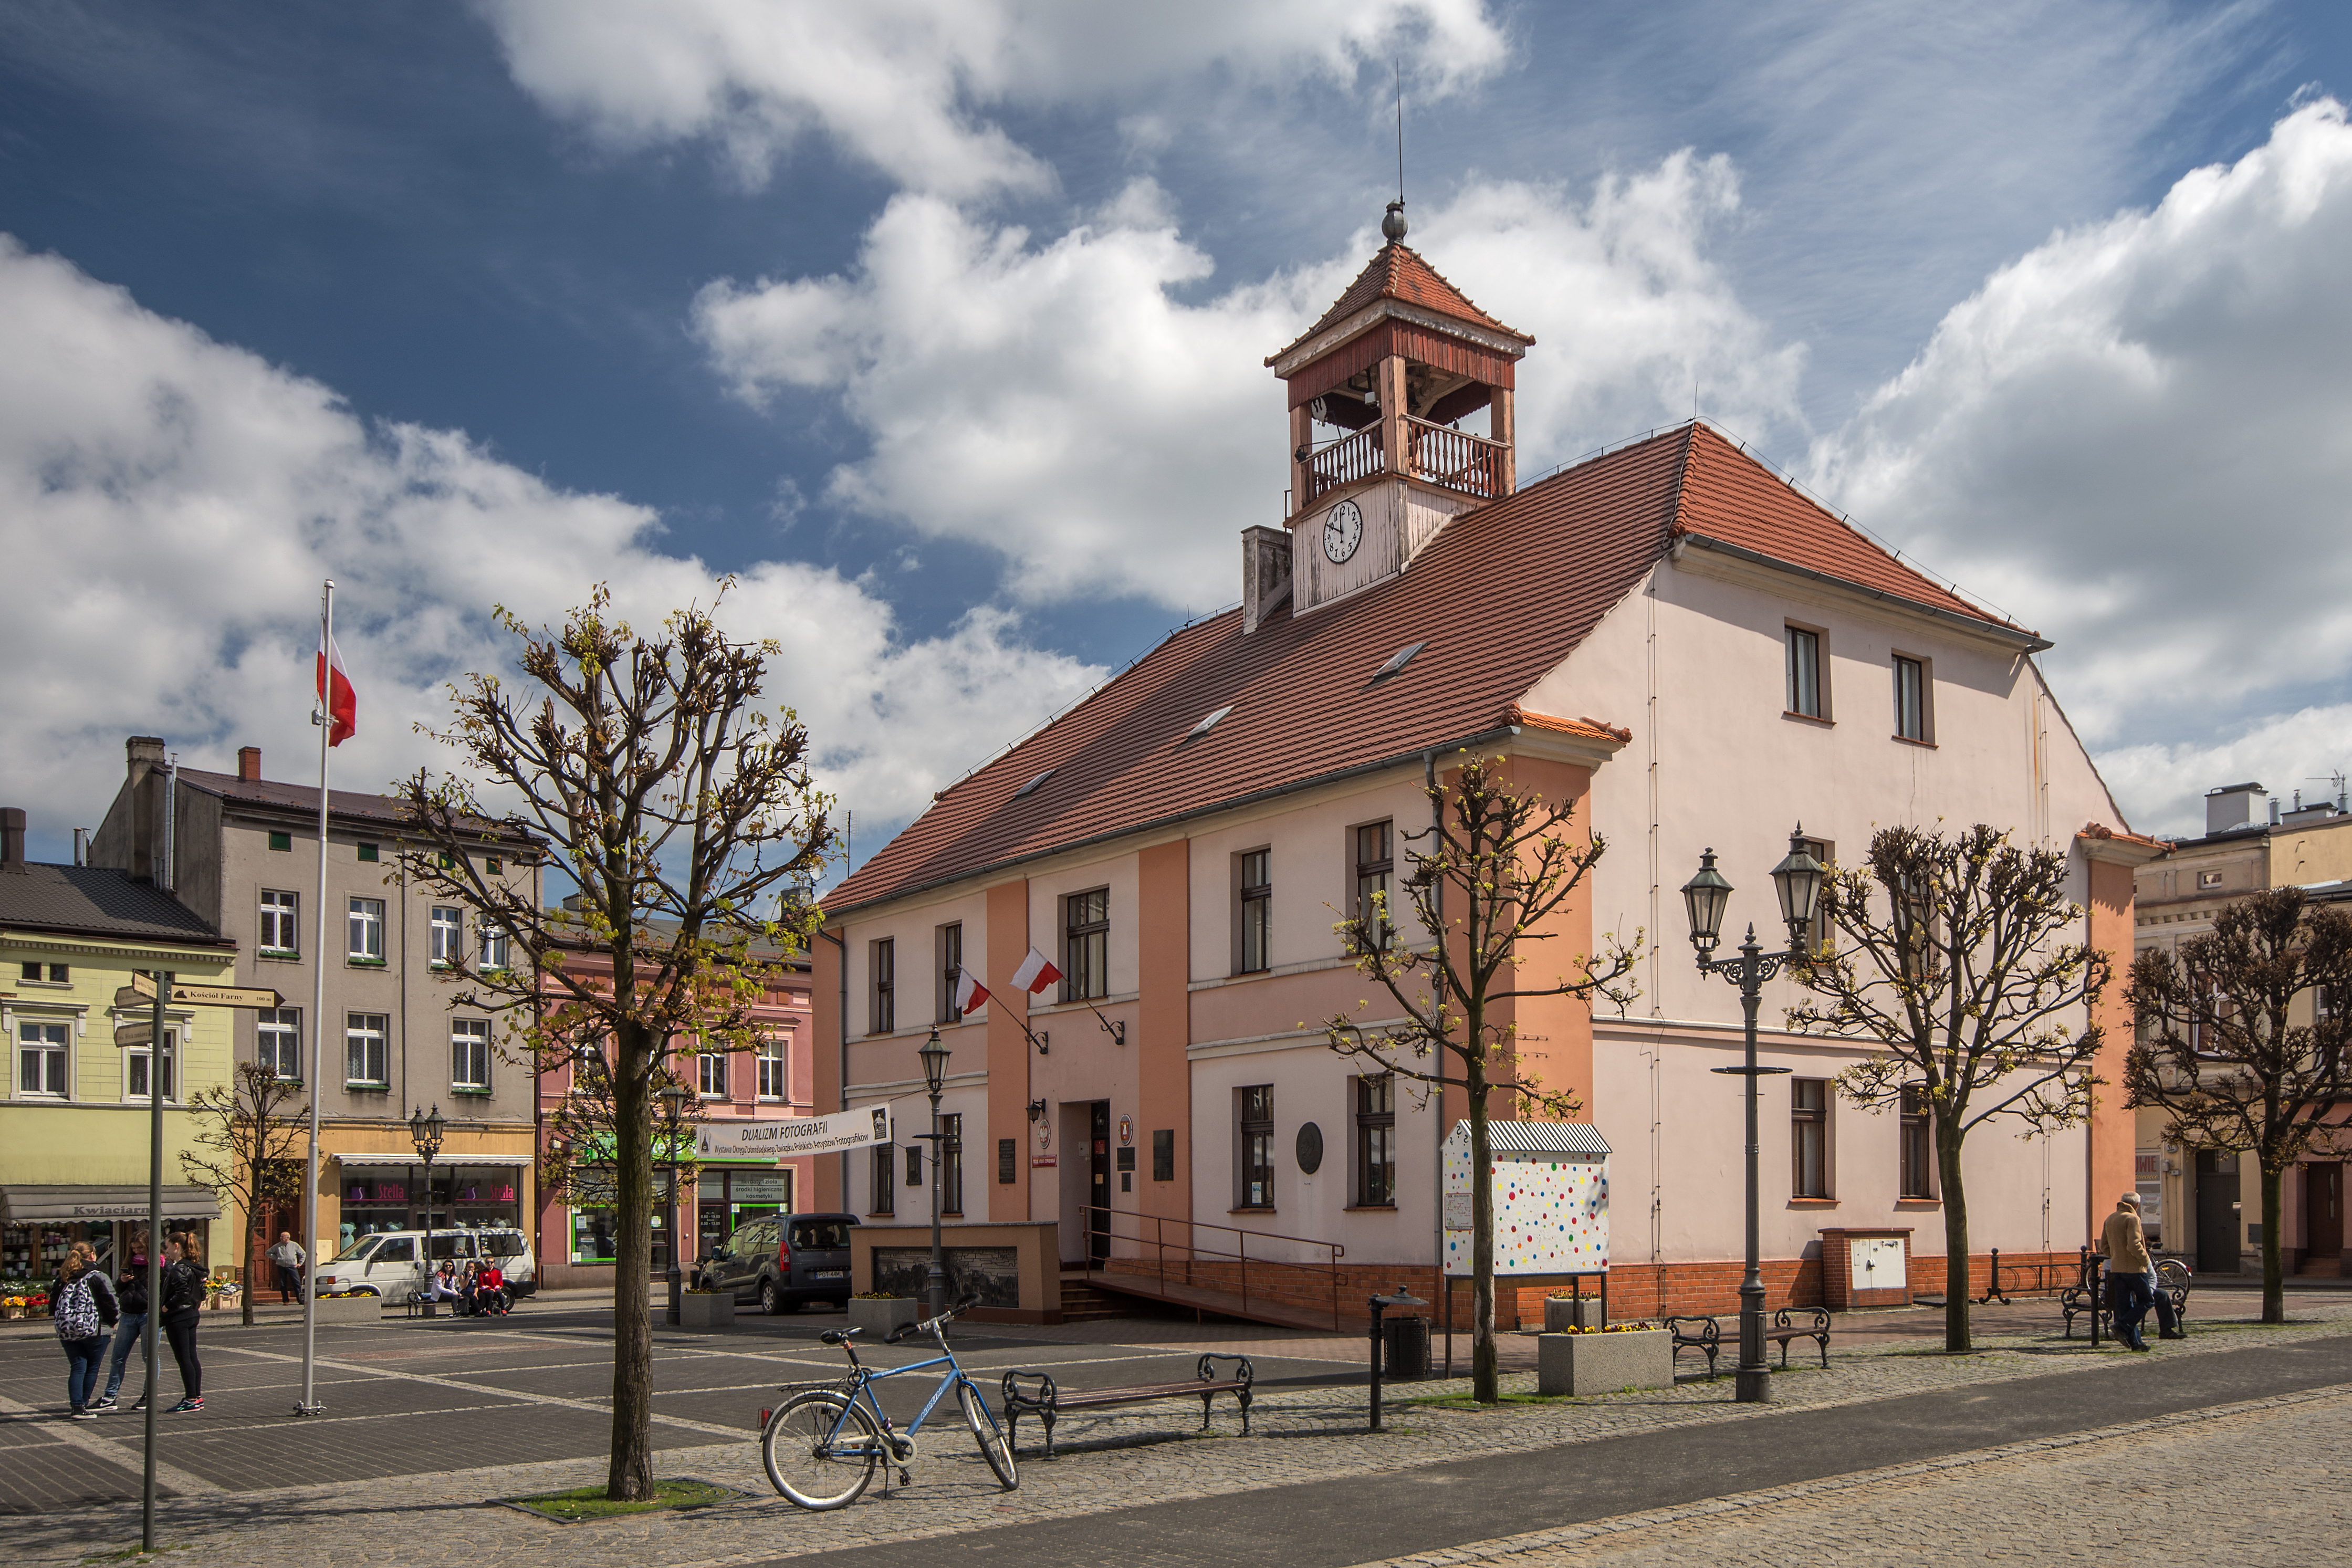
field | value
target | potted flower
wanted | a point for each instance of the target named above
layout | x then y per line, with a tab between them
878	1313
706	1309
1604	1360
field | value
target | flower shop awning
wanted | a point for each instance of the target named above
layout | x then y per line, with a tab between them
21	1205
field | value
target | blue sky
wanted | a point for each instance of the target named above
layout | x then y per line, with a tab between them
918	316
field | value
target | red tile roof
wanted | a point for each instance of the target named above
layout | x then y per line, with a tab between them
303	801
1501	596
1398	272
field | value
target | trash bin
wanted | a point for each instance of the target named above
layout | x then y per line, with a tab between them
1407	1348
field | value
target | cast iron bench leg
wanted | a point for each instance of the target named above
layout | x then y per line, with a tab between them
1046	1413
1244	1395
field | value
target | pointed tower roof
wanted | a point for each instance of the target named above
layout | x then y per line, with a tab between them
1400	274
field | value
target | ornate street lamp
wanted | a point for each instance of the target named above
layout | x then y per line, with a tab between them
425	1131
1798	882
935	1077
672	1098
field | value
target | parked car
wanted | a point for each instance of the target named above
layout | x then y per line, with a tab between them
784	1260
390	1263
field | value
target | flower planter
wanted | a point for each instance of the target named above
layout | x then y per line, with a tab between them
706	1310
350	1310
1563	1313
1605	1363
876	1319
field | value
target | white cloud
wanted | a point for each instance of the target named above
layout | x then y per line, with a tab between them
1064	403
181	501
2133	438
901	84
2286	753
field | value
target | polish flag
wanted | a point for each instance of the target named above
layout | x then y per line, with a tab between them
342	703
969	993
1037	972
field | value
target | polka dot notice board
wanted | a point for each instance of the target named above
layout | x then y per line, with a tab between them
1550	1201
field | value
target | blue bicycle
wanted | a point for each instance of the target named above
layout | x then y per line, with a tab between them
822	1446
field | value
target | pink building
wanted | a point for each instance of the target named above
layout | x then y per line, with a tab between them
1670	634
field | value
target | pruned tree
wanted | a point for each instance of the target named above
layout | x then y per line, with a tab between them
248	1151
581	1127
684	814
2242	1040
1950	956
1486	878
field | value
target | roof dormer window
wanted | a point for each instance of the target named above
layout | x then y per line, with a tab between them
1031	787
1205	725
1397	661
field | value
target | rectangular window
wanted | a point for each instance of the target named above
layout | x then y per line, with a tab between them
135	1066
45	974
279	1031
1911	698
1376	1142
951	939
1809	1137
773	1080
1918	1152
280	924
914	1164
1163	1154
1254	1142
885	1008
1256	911
365	1062
367	852
469	1054
1086	924
886	1179
710	1074
448	932
1805	687
1373	867
497	948
951	1166
366	927
41	1059
492	866
282	841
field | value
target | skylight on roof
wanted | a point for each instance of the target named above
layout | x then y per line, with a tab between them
1031	787
1397	660
1207	724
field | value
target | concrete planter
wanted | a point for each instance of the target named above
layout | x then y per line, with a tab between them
1605	1363
706	1310
350	1310
876	1319
1563	1313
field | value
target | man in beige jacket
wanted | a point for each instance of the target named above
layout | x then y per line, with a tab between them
2131	1275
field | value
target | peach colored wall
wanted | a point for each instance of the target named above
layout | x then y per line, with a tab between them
824	1064
1005	920
2114	1136
1164	1095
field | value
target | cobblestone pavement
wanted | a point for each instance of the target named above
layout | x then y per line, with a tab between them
373	1477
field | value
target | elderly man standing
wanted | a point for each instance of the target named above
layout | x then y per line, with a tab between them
2131	1272
289	1258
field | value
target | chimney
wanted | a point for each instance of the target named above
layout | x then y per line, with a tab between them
1266	574
145	754
2233	807
248	765
12	840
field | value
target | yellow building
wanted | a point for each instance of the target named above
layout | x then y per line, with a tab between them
74	1126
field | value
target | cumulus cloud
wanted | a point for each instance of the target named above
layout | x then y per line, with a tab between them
2304	751
2133	438
1066	403
181	499
903	85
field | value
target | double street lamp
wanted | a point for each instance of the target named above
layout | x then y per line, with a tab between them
1798	881
935	1077
425	1131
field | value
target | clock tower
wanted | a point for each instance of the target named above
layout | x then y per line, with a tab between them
1379	389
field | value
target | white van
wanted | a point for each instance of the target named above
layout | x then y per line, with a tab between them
391	1263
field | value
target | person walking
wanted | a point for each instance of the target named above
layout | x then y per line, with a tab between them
288	1258
183	1305
84	1307
131	1293
2131	1272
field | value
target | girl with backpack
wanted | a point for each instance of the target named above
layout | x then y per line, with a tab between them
83	1305
183	1305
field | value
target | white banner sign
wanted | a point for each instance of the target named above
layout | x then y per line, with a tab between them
794	1136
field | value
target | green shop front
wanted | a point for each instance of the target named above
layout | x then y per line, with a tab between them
716	1194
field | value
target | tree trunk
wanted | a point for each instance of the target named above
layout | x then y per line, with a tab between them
630	1477
1485	1384
1955	1241
2274	1274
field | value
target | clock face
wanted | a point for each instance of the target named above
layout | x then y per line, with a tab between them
1343	530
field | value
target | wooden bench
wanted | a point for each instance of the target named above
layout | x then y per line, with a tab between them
1049	1400
1705	1334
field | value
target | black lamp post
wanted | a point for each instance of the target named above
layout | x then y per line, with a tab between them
935	1077
425	1131
672	1097
1798	881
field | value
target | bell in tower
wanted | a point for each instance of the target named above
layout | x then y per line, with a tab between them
1378	389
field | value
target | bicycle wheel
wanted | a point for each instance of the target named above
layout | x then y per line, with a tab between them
993	1445
820	1450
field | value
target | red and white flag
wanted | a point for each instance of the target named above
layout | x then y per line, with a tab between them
335	690
1037	972
969	993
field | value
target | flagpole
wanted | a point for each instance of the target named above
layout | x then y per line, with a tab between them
325	718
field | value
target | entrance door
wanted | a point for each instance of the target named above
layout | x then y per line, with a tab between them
2323	1208
1099	1181
2217	1212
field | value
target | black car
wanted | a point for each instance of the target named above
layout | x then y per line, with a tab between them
784	1260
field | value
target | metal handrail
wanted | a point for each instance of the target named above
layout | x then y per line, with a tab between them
1188	1249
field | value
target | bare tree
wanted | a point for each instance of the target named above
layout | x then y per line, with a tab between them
2242	1041
248	1151
1951	957
1493	868
682	812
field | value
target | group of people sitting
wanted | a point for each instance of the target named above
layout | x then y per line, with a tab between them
479	1291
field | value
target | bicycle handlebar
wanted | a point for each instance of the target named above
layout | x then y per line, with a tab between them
933	1325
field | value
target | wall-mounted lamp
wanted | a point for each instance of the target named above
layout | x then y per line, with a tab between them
1036	1111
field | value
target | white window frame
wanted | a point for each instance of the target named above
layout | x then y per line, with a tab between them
356	1033
469	1037
281	915
274	1024
773	1065
497	948
364	931
447	928
711	1065
143	1058
62	1048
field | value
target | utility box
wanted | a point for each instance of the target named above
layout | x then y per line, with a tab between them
1550	1186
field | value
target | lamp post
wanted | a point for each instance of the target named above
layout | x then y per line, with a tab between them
935	1077
424	1132
1798	881
672	1097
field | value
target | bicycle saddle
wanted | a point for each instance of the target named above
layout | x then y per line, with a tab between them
835	1336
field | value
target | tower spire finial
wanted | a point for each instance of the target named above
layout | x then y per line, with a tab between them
1393	224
